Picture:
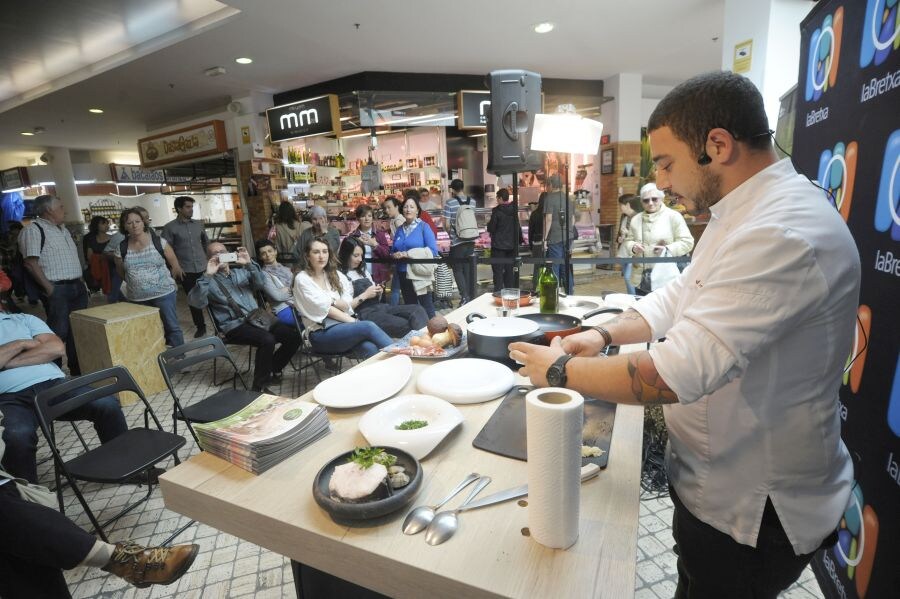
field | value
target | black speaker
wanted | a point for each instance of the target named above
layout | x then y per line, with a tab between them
515	99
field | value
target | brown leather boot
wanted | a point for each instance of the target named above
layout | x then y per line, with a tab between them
143	566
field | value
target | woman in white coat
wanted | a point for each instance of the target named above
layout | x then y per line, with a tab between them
657	229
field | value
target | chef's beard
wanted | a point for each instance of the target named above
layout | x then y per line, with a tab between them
708	192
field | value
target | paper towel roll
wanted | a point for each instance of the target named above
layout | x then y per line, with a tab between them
554	419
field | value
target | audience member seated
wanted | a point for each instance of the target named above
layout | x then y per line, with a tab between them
28	349
319	228
229	294
38	543
324	298
396	321
279	279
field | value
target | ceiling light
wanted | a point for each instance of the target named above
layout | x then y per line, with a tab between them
243	60
28	133
544	27
96	110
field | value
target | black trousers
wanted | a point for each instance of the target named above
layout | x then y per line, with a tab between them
267	359
187	283
463	272
37	543
66	298
504	275
713	565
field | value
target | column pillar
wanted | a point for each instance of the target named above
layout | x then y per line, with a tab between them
622	121
64	181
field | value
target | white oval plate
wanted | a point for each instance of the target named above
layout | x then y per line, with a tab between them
466	380
364	385
378	425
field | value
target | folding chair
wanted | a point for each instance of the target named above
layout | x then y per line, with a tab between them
114	462
312	357
218	405
221	335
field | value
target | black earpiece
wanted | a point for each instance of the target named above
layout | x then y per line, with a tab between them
703	159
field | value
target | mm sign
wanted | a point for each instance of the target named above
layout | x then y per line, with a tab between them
315	116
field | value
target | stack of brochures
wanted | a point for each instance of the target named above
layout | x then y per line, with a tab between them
265	432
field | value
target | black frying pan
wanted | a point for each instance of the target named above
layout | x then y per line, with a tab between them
562	325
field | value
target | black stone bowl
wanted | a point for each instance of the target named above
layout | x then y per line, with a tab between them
381	503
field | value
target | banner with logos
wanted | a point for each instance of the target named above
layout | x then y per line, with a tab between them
847	136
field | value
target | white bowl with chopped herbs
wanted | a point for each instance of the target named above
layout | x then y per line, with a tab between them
414	423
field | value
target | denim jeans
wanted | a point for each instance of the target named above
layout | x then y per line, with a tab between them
395	289
66	298
410	297
627	269
169	316
363	337
504	274
115	286
463	271
555	250
187	283
20	424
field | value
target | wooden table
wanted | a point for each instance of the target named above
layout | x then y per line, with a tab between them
488	557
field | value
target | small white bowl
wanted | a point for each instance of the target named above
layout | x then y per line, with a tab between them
378	425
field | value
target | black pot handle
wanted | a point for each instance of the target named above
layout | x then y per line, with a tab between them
593	313
474	316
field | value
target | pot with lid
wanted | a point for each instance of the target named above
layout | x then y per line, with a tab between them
489	337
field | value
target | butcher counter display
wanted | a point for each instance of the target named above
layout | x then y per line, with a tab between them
490	555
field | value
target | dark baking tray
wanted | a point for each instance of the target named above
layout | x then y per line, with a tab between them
504	433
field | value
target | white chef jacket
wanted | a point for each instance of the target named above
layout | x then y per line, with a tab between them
758	329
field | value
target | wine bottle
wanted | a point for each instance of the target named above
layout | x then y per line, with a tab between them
549	286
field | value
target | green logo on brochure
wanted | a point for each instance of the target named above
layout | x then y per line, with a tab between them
293	414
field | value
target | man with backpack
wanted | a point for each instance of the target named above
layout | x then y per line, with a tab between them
51	258
461	225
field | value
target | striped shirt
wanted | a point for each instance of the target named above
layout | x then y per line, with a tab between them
59	256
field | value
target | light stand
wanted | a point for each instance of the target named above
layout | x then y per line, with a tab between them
566	133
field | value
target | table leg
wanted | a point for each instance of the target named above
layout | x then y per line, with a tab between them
313	584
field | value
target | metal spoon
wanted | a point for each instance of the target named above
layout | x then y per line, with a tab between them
419	518
445	523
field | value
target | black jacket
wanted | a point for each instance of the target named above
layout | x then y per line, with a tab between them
504	227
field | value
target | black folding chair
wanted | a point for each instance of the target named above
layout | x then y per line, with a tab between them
311	356
218	405
221	335
116	461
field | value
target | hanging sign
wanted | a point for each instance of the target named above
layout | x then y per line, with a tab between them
181	145
14	178
130	173
474	107
315	116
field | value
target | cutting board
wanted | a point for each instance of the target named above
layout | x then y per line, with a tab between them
504	433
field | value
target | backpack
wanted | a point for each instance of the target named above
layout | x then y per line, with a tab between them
465	225
123	246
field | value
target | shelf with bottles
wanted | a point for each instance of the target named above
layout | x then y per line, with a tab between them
297	156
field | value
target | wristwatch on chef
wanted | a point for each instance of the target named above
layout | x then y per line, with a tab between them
556	374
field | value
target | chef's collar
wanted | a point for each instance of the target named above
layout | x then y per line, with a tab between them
742	196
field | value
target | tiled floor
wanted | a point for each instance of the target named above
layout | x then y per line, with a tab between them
229	567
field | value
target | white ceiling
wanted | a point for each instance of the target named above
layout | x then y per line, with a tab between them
142	62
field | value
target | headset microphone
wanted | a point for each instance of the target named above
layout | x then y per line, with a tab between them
703	159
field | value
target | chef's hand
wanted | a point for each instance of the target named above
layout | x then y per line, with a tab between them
536	359
585	344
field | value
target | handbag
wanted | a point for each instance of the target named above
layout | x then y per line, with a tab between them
663	273
260	318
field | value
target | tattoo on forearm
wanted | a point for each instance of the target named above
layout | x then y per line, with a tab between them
646	384
627	315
